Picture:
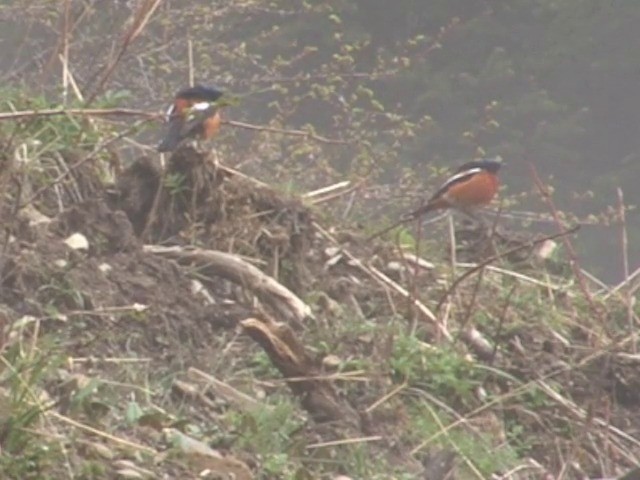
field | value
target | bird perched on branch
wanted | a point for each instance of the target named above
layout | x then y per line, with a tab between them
473	185
194	113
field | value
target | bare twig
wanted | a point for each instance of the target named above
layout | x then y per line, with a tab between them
385	281
624	247
99	147
96	112
140	20
191	68
345	441
65	52
234	268
328	189
102	434
573	256
225	390
493	258
295	133
153	212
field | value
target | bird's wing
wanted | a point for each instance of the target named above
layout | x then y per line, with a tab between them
187	125
196	116
459	177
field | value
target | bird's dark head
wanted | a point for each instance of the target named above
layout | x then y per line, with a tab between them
199	93
188	97
491	165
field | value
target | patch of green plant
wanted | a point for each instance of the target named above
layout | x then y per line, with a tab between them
60	294
47	133
262	367
363	461
175	183
22	377
268	432
478	448
443	371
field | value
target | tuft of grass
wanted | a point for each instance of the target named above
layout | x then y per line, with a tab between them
23	403
269	433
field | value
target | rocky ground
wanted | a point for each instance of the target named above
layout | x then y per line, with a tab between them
192	322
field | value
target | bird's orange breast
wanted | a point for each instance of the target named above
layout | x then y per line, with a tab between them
211	126
478	190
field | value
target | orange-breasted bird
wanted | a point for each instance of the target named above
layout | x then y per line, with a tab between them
194	113
473	185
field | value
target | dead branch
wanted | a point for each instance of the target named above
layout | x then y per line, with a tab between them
226	391
233	268
498	256
89	156
295	133
386	282
289	356
573	256
94	112
140	20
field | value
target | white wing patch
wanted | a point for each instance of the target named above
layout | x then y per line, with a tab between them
458	177
200	106
196	107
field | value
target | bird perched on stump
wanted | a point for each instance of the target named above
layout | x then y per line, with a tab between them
194	113
473	185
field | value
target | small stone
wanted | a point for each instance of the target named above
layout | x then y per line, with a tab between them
102	450
105	267
128	473
77	241
331	361
546	249
395	267
331	251
139	307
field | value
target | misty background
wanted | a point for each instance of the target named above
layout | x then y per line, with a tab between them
412	86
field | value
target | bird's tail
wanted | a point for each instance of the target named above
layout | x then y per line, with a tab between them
173	137
407	217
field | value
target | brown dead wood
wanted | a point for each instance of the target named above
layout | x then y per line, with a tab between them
237	270
303	374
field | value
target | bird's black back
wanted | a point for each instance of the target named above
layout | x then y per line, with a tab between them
200	92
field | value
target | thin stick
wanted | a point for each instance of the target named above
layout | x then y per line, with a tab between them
385	281
140	20
413	283
493	258
573	256
99	147
160	116
151	217
520	276
452	245
97	112
386	397
224	389
328	189
624	247
296	133
65	53
190	55
346	441
72	80
100	433
349	191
